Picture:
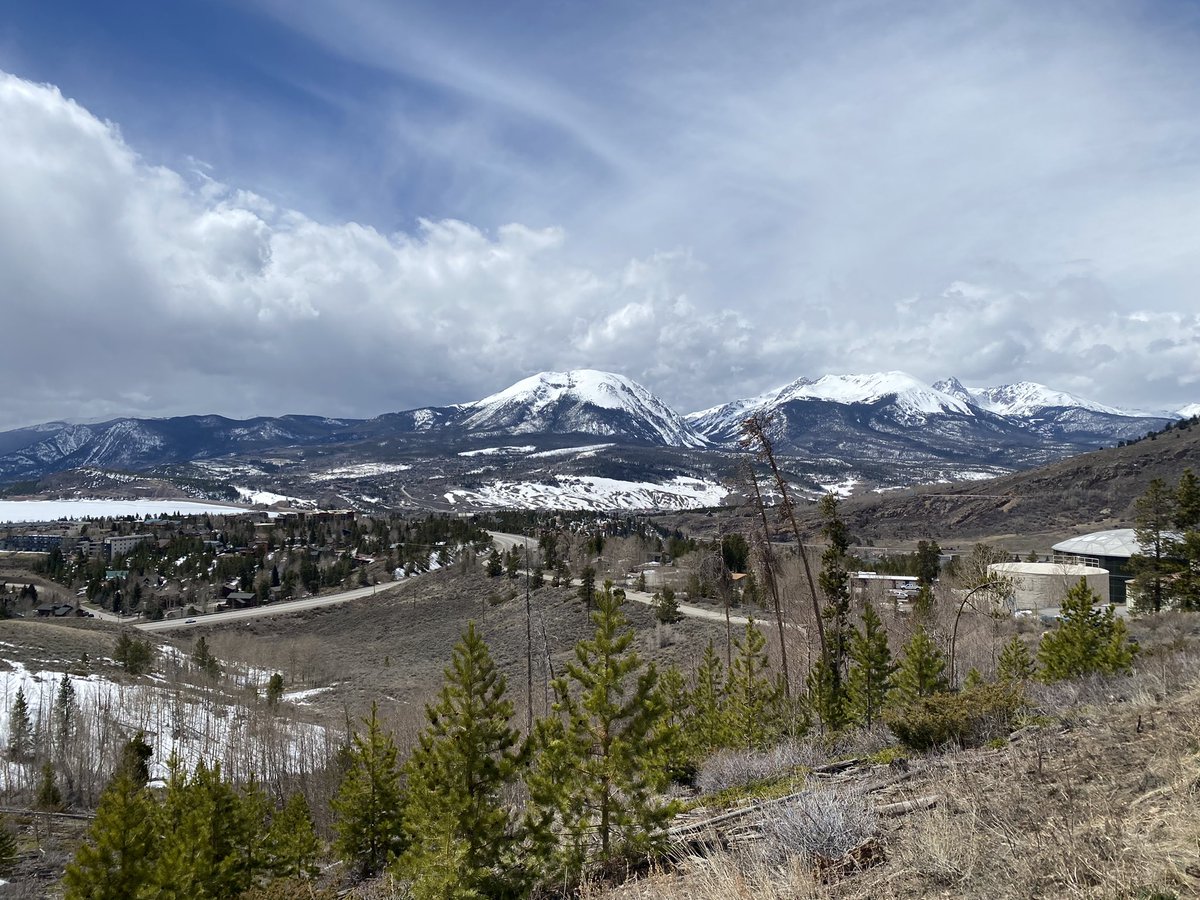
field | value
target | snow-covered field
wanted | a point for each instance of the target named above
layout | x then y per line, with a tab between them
359	470
270	498
53	510
496	451
843	488
586	450
587	492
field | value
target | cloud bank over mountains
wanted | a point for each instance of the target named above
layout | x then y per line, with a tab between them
973	192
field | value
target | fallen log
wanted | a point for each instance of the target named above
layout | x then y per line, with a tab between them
906	806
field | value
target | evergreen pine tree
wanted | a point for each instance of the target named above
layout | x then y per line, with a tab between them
871	669
707	727
49	797
293	846
974	680
459	830
203	659
666	608
587	586
923	671
1186	547
1187	502
116	859
1154	564
275	689
751	695
495	566
64	714
595	789
827	680
1016	663
368	801
1087	639
20	729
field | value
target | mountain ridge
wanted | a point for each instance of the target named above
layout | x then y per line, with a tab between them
871	430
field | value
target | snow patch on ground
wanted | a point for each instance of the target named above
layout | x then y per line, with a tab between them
303	696
270	498
589	492
359	470
175	719
586	450
843	488
495	451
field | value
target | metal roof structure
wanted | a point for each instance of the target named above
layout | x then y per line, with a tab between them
1120	542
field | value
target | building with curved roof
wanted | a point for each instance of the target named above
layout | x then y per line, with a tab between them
1106	550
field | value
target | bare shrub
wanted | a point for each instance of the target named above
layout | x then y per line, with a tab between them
737	768
821	825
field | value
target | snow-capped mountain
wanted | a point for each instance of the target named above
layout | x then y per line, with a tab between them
1028	398
892	415
1187	412
877	429
582	401
906	400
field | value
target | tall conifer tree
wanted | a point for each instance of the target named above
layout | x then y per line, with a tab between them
115	861
751	695
871	669
369	800
596	787
923	671
20	729
460	831
1086	640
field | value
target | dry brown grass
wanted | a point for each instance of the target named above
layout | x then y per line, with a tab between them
1103	801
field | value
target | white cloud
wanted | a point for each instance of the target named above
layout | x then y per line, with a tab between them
130	288
723	202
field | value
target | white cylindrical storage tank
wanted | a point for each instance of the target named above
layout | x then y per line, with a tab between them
1039	586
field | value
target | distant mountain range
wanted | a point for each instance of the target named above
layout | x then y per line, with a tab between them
877	430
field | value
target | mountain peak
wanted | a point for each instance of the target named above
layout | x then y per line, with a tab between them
584	401
1023	398
954	388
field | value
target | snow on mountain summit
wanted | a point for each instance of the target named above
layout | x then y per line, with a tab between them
1025	398
911	400
913	397
584	401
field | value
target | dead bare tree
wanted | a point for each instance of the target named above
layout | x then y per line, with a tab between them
766	555
754	436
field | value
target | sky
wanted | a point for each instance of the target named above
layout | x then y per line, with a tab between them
350	208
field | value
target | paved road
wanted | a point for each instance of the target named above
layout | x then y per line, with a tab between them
505	542
280	608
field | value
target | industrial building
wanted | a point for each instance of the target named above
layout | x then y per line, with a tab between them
1039	586
1106	550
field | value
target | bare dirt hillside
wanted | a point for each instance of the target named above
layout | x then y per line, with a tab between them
1027	509
1083	493
393	649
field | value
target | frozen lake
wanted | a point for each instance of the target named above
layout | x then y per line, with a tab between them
53	510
